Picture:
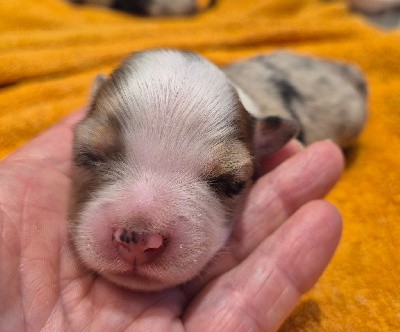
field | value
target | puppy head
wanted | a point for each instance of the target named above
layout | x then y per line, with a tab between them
161	163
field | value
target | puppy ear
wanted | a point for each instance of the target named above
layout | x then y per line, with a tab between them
268	134
94	92
97	84
272	133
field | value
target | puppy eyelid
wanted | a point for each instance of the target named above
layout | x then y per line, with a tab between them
89	159
227	185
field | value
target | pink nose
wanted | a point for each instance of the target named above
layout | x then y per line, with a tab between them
137	247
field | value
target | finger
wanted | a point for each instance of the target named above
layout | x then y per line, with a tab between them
33	201
260	293
52	148
308	175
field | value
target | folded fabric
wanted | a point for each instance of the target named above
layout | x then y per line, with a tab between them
51	50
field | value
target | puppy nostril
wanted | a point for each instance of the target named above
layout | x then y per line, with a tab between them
137	247
134	237
124	236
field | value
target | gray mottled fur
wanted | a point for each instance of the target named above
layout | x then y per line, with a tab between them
328	99
153	7
373	6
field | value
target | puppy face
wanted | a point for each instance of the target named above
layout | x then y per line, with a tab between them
161	163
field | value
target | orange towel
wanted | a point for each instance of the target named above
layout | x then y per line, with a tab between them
50	51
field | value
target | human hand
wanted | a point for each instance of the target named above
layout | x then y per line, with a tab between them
278	249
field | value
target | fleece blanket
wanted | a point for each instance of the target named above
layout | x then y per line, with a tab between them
50	51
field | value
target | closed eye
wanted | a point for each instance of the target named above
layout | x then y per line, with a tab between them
88	159
226	184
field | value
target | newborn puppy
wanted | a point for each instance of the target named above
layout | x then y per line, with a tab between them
327	99
161	164
373	6
155	7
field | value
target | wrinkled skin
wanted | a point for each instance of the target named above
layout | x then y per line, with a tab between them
283	241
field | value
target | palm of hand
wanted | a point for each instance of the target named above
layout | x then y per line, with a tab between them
280	246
